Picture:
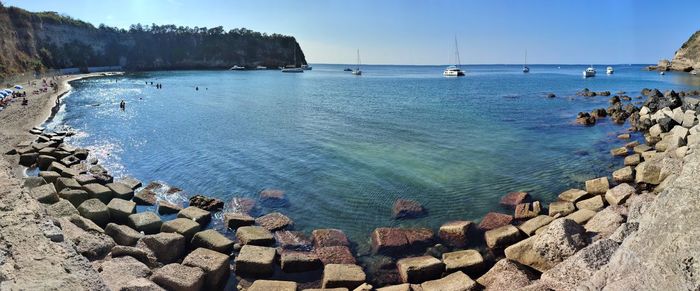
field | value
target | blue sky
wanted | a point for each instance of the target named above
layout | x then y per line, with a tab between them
422	32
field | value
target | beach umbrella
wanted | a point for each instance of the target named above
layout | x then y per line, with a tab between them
18	87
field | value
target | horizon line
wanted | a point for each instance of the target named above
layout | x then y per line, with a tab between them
491	64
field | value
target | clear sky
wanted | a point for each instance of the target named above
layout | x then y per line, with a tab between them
422	32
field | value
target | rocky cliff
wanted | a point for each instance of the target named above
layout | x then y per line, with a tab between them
686	58
45	40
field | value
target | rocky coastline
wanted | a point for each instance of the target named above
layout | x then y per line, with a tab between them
76	205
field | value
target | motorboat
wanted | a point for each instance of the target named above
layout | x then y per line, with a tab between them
609	71
662	73
306	67
357	71
347	70
589	72
454	70
237	68
693	72
261	68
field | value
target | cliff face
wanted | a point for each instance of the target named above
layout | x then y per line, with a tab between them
686	58
37	41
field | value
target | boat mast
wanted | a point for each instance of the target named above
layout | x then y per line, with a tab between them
457	53
526	57
358	59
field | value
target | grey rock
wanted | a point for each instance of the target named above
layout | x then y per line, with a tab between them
561	239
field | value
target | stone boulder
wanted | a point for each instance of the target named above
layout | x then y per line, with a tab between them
405	208
234	220
514	198
597	185
619	194
255	260
394	241
120	209
529	227
66	183
120	190
213	240
457	281
62	208
560	240
45	193
214	264
502	236
274	221
122	234
91	244
167	247
342	276
299	261
605	222
572	272
329	238
95	210
206	203
254	235
456	233
594	203
419	269
494	220
201	216
177	277
98	191
183	226
561	208
469	261
624	175
572	195
527	210
269	285
506	275
117	272
75	197
148	222
273	198
335	255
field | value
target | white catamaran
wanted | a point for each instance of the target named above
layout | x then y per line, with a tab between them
357	71
454	70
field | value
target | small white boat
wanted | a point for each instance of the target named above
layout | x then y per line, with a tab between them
609	71
589	72
237	68
454	70
306	67
693	72
357	71
662	73
261	68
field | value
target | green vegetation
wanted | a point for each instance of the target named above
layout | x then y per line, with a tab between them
58	41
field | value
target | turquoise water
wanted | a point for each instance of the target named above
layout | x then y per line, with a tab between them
344	148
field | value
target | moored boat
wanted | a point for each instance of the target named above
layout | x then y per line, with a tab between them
589	72
261	68
306	67
357	71
454	70
293	68
237	68
609	71
526	69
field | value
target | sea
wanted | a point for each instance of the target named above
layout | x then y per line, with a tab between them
344	148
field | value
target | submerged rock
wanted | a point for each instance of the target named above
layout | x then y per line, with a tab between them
405	208
206	203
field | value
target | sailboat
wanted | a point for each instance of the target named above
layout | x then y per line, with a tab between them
357	71
293	68
454	70
526	69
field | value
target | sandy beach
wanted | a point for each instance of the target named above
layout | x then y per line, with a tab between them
16	120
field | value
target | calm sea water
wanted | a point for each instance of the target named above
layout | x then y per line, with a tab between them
344	148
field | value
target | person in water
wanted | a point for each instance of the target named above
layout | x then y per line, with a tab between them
196	88
122	105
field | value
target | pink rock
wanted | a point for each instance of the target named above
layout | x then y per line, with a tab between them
514	198
495	220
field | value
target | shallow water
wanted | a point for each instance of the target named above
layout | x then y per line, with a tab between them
344	148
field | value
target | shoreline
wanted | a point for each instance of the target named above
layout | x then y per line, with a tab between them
16	120
499	232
